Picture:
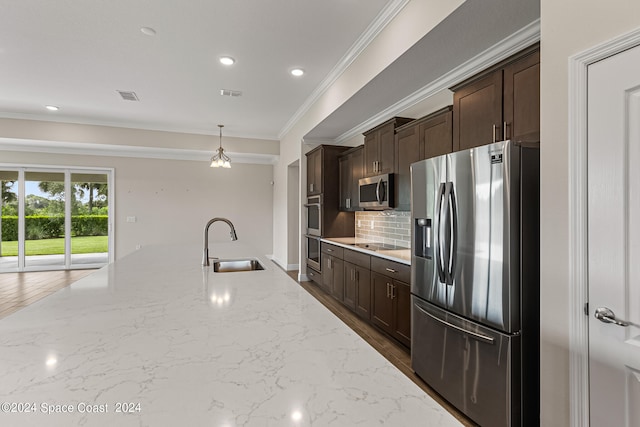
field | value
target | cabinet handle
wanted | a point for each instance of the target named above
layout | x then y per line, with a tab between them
391	270
495	130
329	263
311	187
388	290
393	291
311	274
329	250
357	275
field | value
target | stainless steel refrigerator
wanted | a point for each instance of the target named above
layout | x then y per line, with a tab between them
475	280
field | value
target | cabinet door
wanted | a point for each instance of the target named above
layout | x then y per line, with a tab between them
522	99
407	152
402	312
327	273
337	285
477	112
345	182
350	285
382	304
386	156
314	172
357	172
436	136
363	293
371	150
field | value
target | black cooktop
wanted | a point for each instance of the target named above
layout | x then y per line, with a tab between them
378	246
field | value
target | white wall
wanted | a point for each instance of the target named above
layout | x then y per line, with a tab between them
172	199
568	27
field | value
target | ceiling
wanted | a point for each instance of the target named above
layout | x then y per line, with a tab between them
76	54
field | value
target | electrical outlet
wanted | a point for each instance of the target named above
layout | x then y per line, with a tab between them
138	246
373	223
131	219
359	223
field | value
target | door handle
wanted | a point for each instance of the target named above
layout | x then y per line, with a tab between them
605	315
439	235
378	191
476	335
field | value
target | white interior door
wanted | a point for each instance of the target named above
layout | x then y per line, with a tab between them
614	239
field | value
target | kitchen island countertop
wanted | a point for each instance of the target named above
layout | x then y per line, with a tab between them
165	342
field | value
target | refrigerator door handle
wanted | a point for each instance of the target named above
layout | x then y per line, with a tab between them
481	337
453	232
438	237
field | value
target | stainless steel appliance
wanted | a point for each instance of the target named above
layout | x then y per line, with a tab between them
313	252
314	215
475	281
376	192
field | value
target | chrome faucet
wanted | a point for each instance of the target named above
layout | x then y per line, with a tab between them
205	257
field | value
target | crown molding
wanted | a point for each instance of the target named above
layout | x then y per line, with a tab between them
114	150
384	17
511	45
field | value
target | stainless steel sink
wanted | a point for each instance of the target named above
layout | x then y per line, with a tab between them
233	265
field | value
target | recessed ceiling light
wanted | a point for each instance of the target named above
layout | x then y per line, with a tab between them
148	31
52	108
227	60
297	72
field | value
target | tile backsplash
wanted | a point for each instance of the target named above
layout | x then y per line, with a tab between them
390	227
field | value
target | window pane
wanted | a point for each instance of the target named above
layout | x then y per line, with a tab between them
44	219
8	220
89	218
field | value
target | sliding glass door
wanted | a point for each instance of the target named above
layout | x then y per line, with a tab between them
55	218
9	217
44	219
89	218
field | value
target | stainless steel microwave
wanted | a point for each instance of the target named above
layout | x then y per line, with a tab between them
376	192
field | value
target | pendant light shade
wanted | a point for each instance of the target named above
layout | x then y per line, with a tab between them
220	160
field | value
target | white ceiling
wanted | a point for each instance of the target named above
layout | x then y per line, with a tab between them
76	54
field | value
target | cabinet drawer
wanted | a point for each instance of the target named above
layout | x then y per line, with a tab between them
314	276
332	250
392	269
358	258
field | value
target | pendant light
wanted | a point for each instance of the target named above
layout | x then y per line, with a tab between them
220	159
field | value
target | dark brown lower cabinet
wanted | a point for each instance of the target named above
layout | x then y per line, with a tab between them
357	289
391	307
333	276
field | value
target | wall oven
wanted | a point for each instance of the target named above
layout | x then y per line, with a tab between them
314	215
376	192
313	252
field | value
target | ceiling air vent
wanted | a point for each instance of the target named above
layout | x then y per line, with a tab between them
128	95
231	93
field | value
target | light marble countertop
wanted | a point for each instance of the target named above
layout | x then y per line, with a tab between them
402	256
177	344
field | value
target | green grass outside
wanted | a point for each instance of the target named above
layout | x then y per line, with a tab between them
79	245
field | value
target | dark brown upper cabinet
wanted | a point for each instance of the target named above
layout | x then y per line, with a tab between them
322	178
314	171
423	138
351	170
379	149
500	103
